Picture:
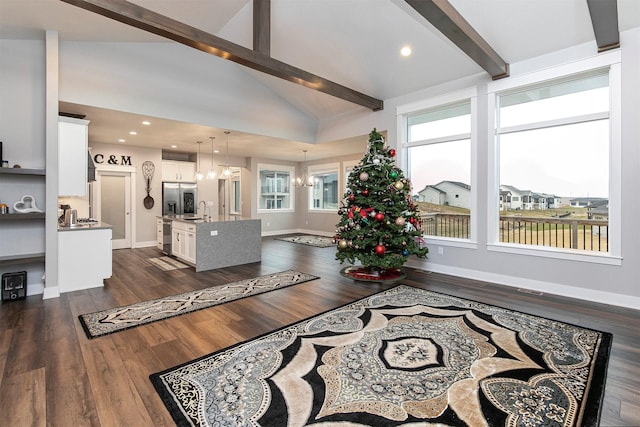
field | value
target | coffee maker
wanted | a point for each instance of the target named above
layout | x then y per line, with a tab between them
67	216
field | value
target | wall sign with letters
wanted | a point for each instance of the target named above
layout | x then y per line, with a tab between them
112	160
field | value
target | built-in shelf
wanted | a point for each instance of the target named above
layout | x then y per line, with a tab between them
22	216
22	258
25	258
22	171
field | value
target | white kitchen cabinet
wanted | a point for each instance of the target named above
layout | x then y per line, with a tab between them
72	156
84	258
159	231
174	171
190	244
177	241
183	238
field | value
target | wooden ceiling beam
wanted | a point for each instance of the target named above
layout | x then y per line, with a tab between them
442	15
262	26
150	21
604	18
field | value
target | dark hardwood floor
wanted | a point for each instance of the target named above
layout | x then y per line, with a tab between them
51	374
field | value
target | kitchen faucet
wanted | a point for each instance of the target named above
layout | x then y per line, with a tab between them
204	210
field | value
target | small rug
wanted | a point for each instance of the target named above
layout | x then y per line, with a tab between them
404	356
166	263
120	318
311	240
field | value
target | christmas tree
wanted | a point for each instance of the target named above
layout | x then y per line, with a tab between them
379	224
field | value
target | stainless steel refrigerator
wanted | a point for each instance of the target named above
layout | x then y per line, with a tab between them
179	198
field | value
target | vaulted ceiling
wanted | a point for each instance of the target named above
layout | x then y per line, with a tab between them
354	43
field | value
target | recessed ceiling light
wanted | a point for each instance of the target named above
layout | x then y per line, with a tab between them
121	140
174	146
146	123
133	132
405	51
216	151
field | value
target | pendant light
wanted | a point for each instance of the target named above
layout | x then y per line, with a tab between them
199	174
212	172
304	181
227	171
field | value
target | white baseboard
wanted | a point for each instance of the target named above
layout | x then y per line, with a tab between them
534	285
51	292
144	244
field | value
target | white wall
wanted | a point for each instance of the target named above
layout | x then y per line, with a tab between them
145	218
22	106
173	81
615	284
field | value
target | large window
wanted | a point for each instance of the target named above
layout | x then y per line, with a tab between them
274	183
439	166
236	208
324	194
553	146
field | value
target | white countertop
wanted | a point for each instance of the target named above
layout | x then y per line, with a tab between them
85	226
191	219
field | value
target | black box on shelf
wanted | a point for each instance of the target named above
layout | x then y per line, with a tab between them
14	285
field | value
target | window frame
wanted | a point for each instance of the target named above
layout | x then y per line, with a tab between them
277	168
323	169
610	60
235	192
404	111
347	168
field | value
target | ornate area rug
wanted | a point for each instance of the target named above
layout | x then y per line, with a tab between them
119	318
166	263
405	356
309	239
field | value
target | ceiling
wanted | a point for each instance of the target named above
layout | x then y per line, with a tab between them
355	43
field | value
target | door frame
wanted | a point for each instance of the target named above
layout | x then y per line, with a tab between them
129	171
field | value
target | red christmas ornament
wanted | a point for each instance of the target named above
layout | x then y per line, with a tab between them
392	152
412	220
365	192
380	249
351	197
379	217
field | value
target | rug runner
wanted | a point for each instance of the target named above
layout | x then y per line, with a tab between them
166	263
119	318
402	356
310	240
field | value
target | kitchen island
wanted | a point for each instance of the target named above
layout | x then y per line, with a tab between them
84	256
222	242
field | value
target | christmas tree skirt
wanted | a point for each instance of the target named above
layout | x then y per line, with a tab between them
364	274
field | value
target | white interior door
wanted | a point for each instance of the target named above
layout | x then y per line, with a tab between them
114	205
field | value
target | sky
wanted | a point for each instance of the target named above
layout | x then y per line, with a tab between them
566	161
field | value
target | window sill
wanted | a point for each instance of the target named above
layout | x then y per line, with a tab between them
332	211
268	211
455	243
560	254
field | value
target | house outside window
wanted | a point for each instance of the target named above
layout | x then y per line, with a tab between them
557	141
439	153
274	184
324	194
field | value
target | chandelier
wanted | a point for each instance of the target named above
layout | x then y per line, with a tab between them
212	172
199	174
304	181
